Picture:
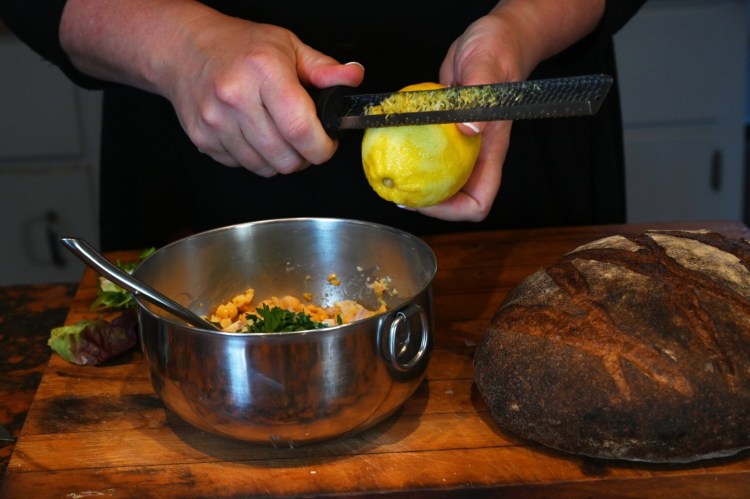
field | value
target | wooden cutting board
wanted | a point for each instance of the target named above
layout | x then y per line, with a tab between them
101	431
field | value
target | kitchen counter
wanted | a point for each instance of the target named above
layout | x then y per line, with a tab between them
102	431
27	313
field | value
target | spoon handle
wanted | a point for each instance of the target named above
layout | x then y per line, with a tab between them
101	265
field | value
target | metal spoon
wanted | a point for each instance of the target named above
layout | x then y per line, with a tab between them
101	265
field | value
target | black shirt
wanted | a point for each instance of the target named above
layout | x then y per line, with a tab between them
156	186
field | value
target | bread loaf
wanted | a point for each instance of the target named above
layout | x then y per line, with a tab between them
630	347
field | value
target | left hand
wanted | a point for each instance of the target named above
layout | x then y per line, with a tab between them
505	45
483	54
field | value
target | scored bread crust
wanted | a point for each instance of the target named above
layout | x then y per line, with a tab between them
630	347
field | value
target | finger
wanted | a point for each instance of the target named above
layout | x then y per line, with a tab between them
291	108
259	146
319	70
471	129
248	159
446	71
222	156
243	129
474	201
332	74
294	117
266	171
450	75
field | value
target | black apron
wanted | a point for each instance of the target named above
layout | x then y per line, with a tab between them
156	187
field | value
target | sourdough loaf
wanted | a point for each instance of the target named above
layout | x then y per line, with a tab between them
630	347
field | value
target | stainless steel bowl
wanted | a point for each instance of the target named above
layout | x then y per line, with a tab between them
289	388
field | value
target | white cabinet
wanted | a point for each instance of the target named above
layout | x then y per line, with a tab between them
49	147
682	71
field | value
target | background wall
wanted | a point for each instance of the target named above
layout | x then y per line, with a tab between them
49	149
683	74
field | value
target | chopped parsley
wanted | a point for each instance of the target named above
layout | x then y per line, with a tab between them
277	320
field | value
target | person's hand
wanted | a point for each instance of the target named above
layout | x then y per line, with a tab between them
505	45
237	86
239	95
485	53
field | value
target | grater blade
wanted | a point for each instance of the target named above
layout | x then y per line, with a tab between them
532	99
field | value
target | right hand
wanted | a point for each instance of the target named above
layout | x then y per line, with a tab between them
237	88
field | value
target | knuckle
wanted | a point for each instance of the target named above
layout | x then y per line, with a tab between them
301	132
210	114
268	159
201	140
225	159
289	163
265	171
228	85
298	128
480	214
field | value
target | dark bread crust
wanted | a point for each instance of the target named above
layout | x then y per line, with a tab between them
627	348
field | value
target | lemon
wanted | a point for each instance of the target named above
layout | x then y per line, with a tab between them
418	166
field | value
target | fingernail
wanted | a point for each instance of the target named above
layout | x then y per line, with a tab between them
473	127
351	63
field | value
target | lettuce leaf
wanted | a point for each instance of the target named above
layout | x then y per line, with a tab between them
93	341
110	296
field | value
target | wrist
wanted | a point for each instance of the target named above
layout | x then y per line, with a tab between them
542	29
133	42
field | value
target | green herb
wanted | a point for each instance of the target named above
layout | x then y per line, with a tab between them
277	320
110	296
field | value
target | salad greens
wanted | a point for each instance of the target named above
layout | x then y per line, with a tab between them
110	296
93	341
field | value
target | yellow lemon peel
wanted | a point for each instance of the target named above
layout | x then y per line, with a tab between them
418	166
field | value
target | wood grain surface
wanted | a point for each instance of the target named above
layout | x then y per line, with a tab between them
27	313
101	431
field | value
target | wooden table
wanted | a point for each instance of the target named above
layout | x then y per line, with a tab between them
101	431
27	313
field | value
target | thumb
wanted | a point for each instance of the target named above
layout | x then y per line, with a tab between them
319	70
474	75
471	128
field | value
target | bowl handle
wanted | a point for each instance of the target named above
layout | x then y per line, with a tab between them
401	329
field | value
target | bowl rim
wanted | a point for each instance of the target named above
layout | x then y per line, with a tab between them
327	330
